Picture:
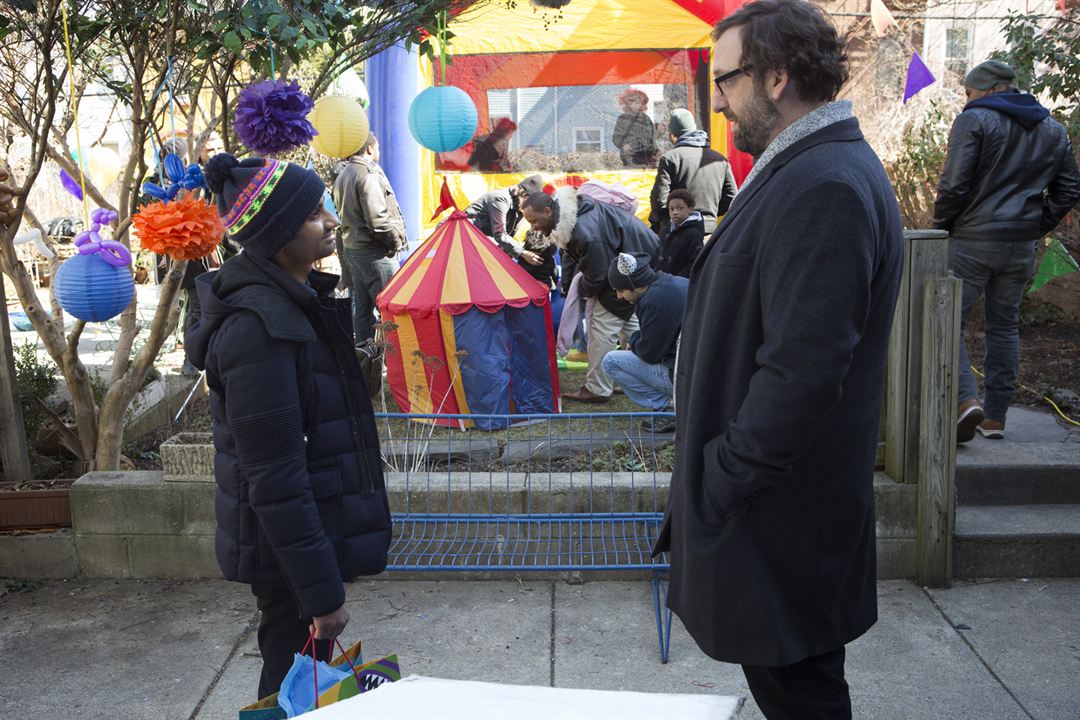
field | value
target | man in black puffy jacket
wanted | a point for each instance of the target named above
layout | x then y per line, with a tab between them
301	504
1009	178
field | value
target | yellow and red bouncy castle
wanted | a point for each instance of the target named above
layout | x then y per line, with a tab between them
468	332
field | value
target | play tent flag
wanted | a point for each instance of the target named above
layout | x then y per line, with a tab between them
468	331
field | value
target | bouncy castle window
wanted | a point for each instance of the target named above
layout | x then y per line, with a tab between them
569	112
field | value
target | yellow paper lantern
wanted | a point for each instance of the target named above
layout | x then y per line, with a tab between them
103	166
342	126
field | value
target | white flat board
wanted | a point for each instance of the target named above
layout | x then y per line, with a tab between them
416	697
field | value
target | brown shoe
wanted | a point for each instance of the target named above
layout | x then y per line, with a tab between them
968	417
583	394
991	429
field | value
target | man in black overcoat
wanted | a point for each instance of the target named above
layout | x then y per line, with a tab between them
780	373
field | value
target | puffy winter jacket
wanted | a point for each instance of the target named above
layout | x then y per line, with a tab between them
301	499
1010	173
681	245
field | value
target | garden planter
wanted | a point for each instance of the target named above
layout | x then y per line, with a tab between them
30	509
188	456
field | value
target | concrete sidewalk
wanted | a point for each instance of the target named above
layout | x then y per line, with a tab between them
183	651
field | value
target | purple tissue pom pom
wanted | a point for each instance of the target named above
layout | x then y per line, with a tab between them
271	117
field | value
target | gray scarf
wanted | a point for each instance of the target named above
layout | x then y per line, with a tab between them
805	126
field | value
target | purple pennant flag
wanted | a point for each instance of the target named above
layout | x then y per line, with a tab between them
918	77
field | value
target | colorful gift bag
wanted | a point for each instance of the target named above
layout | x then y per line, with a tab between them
268	708
367	677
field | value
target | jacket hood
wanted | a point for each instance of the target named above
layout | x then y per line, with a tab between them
567	199
694	217
1022	107
249	283
693	138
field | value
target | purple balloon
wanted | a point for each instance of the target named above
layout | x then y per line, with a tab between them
71	185
115	253
83	238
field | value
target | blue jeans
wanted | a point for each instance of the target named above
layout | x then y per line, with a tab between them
370	270
1001	271
647	385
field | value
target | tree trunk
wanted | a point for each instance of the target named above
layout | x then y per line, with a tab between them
16	458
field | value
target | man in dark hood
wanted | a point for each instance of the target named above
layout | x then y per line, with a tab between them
1009	178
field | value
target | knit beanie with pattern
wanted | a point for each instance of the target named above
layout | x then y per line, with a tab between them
263	201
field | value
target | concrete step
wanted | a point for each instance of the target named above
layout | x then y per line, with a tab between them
1005	473
1017	541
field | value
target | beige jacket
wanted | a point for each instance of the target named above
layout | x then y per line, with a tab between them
369	213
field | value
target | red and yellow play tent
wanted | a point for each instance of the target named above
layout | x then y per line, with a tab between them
468	331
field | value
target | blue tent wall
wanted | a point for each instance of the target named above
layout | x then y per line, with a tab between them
530	364
485	370
507	355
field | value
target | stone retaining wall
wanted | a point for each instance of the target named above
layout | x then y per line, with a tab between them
156	525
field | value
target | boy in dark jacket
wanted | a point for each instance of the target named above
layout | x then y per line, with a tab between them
301	503
684	238
645	371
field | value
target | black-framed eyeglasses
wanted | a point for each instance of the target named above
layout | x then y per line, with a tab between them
720	80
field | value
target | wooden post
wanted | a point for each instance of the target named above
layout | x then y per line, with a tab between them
896	377
928	261
16	458
935	464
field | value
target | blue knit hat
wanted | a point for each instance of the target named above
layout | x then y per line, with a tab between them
263	201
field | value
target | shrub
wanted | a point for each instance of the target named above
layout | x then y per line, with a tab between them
37	380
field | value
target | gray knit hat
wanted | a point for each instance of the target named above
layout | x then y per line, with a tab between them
987	74
682	121
630	272
532	184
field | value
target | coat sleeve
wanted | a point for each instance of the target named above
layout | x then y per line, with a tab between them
497	208
1063	192
262	403
961	161
815	285
658	213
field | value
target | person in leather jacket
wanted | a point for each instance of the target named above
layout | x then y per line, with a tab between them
373	231
1009	178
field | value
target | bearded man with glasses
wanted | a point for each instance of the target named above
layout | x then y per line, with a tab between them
780	373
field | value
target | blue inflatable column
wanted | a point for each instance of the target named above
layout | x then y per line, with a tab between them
392	79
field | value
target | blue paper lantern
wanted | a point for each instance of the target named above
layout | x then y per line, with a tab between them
443	118
91	289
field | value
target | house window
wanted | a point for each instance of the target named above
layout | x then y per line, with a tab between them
587	139
957	46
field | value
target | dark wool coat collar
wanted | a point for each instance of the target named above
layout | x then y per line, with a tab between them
842	131
250	283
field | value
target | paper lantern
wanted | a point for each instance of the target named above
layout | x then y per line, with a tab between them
91	289
443	118
342	126
103	166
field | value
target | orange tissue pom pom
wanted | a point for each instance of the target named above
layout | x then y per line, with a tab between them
184	229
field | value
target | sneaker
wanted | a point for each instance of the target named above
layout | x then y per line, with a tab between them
576	356
189	370
991	429
968	417
658	425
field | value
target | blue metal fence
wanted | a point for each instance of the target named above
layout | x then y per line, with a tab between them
564	492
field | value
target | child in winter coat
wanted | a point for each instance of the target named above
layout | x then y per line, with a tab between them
684	238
